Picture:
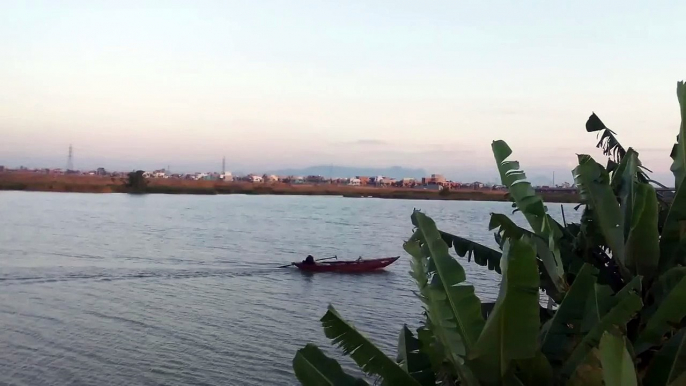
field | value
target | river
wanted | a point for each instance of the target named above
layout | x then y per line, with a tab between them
115	289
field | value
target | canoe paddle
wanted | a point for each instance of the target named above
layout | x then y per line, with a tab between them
326	258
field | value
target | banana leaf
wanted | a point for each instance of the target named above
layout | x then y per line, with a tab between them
589	246
678	167
615	151
643	243
412	360
662	287
439	320
527	201
564	329
534	371
460	304
313	368
552	276
512	327
521	191
605	304
669	363
673	239
482	255
608	142
618	367
618	316
623	183
595	191
669	313
431	347
370	359
441	333
544	313
594	311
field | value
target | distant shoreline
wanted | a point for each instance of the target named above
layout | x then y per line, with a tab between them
96	184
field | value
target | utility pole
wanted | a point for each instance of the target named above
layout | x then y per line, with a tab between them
70	159
553	179
223	166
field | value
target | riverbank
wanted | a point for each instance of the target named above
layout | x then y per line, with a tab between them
98	184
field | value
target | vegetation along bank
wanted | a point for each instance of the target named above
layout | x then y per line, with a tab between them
138	184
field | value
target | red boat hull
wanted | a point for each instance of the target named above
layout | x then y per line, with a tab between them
355	266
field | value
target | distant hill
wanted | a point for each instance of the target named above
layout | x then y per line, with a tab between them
345	171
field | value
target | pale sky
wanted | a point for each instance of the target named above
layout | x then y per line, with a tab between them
276	84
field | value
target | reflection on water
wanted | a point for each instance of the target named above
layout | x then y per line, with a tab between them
177	290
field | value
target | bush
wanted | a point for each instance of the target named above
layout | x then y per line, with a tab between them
136	182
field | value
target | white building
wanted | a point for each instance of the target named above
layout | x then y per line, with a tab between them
354	182
256	179
227	176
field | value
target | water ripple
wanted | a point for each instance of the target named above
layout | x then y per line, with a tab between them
178	290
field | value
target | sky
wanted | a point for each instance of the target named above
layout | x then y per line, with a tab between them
280	84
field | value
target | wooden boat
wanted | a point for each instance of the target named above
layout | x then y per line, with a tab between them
352	266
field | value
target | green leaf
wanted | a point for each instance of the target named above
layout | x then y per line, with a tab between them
623	183
594	189
313	368
664	285
643	244
669	313
460	304
618	367
439	323
535	371
553	281
524	195
512	327
618	316
559	339
608	142
370	359
441	334
678	167
613	149
669	363
416	363
608	302
531	206
673	237
431	347
482	255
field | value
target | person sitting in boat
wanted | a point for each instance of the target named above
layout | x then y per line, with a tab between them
309	260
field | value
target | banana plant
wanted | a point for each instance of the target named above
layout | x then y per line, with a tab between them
618	278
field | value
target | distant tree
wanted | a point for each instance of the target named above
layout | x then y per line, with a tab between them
445	191
136	182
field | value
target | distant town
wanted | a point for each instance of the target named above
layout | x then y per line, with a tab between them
432	182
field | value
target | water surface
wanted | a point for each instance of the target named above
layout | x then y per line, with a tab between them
117	289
